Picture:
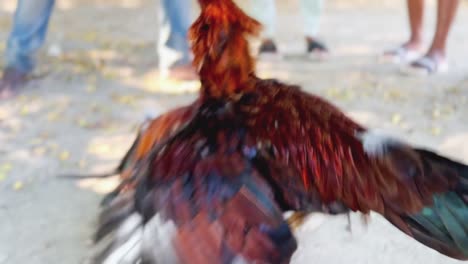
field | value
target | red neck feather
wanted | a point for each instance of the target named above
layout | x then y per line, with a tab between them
220	48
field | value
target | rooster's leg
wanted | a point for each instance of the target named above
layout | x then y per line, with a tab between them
349	227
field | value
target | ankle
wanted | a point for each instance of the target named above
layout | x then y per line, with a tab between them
413	44
437	54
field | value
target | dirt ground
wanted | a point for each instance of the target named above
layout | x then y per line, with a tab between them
96	82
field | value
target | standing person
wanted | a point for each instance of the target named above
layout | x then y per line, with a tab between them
265	12
173	47
434	59
29	29
30	26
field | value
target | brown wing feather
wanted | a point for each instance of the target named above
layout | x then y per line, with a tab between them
423	194
239	221
203	183
154	131
321	142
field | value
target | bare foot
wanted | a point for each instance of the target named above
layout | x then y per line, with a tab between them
10	83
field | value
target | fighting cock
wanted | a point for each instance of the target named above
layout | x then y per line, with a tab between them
209	182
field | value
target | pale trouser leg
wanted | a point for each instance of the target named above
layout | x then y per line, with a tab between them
311	12
265	12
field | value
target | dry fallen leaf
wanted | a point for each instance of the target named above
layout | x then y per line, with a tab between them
64	155
98	124
443	111
454	90
36	141
436	131
393	95
124	99
463	99
6	167
3	175
100	149
82	122
18	185
332	92
24	110
90	36
111	128
53	116
44	135
91	88
23	98
108	75
436	113
39	151
96	108
3	114
53	146
396	119
82	164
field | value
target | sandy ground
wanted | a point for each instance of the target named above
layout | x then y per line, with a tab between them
95	82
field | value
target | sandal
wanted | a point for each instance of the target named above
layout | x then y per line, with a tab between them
426	66
401	55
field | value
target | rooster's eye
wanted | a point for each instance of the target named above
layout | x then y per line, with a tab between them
205	27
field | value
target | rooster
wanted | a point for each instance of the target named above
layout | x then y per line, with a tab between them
209	182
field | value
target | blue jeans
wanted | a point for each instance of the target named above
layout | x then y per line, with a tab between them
174	21
28	33
32	18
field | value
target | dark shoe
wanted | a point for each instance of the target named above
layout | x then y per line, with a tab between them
316	49
10	83
268	46
268	51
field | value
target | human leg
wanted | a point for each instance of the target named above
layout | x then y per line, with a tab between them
173	46
28	33
411	49
435	59
311	12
